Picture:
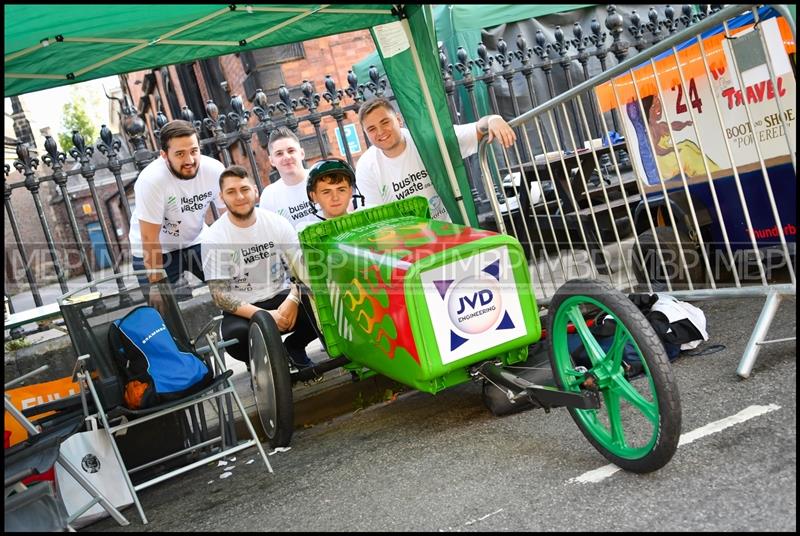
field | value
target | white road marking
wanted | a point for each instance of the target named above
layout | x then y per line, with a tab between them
484	517
596	475
711	428
473	521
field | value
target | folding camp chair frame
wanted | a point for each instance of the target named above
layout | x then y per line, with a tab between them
97	496
222	378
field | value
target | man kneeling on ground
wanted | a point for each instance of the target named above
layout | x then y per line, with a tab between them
244	254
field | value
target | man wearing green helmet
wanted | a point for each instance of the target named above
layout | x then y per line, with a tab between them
330	185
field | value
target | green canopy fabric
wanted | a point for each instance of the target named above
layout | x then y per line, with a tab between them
52	45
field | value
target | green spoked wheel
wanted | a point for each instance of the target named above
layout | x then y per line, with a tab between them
638	424
272	387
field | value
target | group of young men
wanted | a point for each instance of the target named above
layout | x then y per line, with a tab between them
243	255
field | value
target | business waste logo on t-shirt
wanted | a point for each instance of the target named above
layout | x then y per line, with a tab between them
195	202
257	252
411	185
177	207
296	212
417	183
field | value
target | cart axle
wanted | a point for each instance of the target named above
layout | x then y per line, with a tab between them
543	396
319	369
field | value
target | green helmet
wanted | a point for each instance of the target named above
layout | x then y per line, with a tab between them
325	167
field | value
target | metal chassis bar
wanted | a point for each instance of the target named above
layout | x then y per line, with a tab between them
545	396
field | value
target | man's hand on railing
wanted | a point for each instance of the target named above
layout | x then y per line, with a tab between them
496	127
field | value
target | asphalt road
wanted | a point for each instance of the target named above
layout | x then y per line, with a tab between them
444	463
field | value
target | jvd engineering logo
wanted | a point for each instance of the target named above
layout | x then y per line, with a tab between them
474	305
172	228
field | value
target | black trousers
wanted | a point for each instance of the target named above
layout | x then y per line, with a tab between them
304	331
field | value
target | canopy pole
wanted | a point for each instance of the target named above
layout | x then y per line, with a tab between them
437	128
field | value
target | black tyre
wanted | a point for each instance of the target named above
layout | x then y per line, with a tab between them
269	369
672	268
638	424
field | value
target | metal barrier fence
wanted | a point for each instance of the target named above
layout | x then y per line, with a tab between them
708	208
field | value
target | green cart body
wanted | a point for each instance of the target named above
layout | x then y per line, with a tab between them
419	300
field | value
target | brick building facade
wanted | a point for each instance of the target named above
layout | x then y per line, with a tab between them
192	85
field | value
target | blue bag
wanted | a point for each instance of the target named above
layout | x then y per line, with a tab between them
154	367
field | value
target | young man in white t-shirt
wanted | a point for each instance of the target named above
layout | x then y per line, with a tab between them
287	196
330	185
245	253
173	194
392	168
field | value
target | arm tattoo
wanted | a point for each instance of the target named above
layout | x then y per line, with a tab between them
220	292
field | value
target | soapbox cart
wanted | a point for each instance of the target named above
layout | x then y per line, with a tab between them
432	305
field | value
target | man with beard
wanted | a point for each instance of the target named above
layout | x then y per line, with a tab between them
172	196
287	196
245	256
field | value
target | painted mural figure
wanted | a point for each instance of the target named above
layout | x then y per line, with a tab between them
691	157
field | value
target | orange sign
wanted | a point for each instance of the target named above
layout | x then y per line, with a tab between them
35	395
666	70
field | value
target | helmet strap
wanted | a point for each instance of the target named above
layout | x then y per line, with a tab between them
356	196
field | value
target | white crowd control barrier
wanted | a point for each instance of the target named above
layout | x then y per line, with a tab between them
689	186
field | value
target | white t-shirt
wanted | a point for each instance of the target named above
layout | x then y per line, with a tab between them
179	206
251	257
291	202
382	179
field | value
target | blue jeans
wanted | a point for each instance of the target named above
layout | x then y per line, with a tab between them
175	263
